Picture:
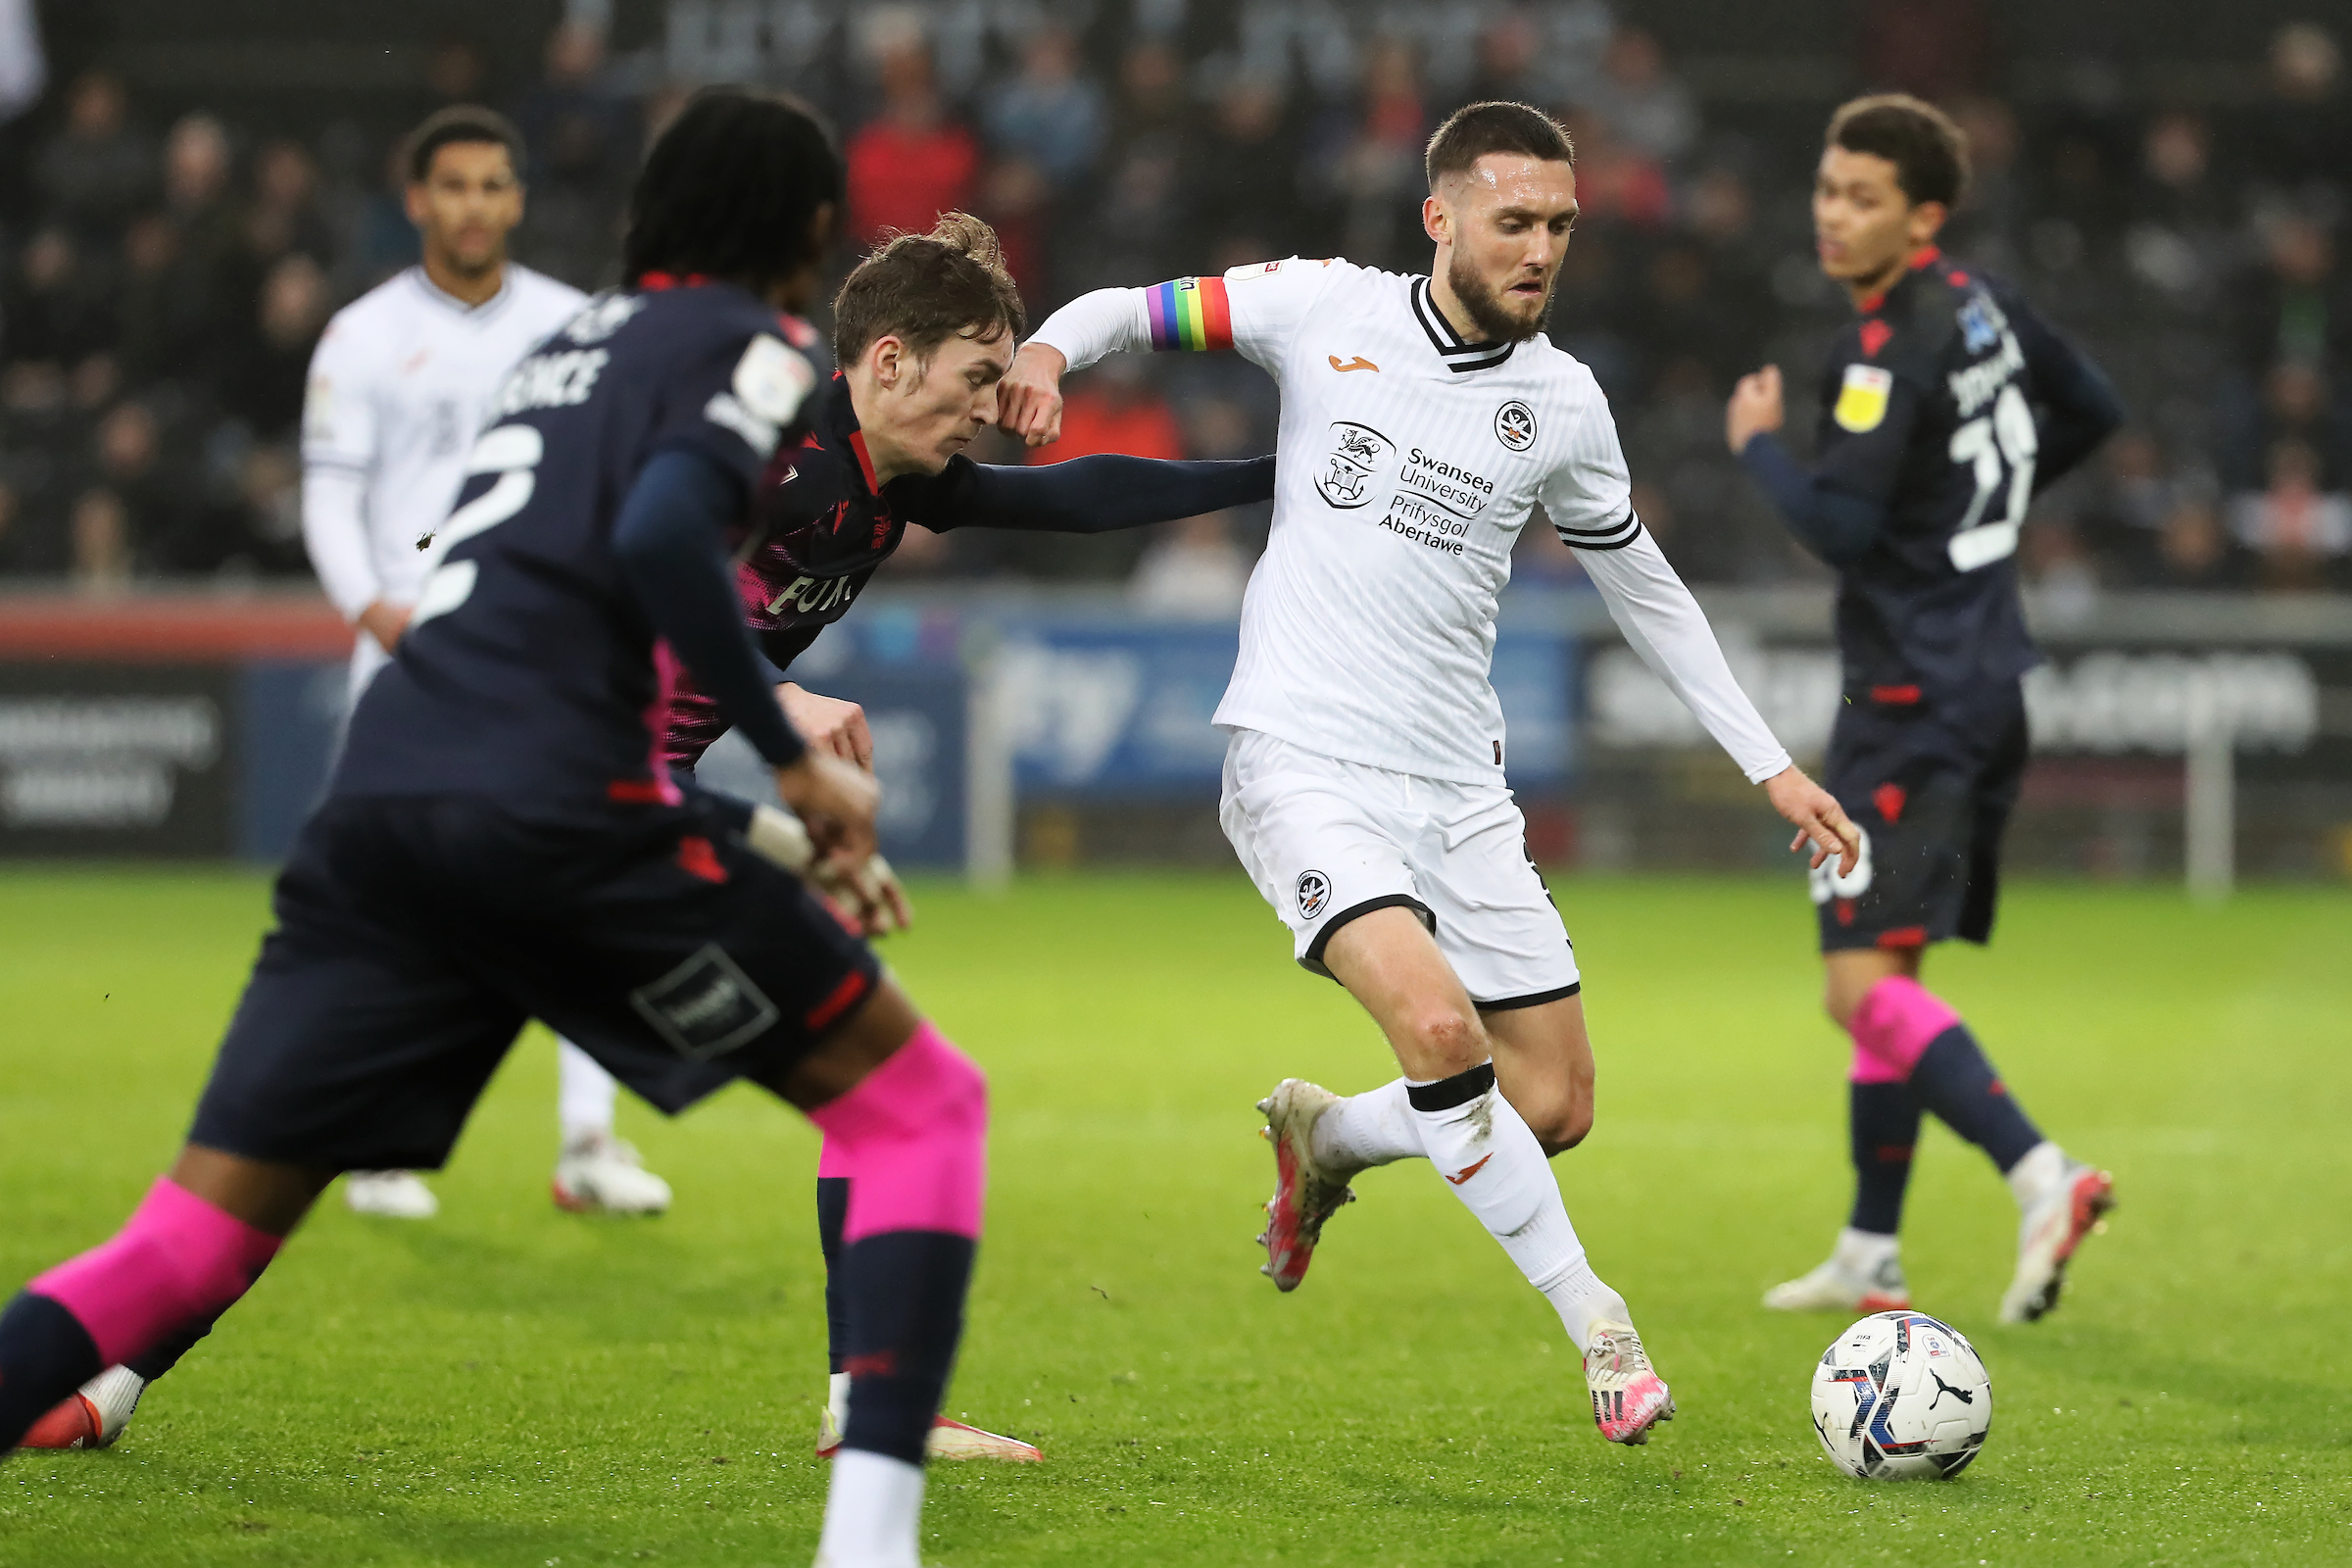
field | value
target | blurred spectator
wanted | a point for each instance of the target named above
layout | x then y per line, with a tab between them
131	468
101	538
1049	115
97	171
1241	178
1513	64
54	307
1989	226
453	74
581	136
1137	223
2179	237
265	387
284	215
2302	137
2195	551
2295	529
911	161
1938	49
2298	403
1019	203
2292	306
1616	183
1645	107
1193	568
383	240
1378	175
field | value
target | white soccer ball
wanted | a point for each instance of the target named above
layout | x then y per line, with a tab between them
1900	1395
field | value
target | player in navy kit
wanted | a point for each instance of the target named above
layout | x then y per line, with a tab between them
1947	405
501	839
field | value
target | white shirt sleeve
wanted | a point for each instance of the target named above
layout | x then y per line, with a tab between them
338	456
1254	308
1588	497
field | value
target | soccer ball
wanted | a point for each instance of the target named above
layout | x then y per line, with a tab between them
1900	1395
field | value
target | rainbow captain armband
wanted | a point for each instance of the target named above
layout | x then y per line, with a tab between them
1191	312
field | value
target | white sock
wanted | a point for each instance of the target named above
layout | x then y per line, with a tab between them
1862	1253
2038	1175
584	1094
873	1511
1373	1128
837	1400
1496	1167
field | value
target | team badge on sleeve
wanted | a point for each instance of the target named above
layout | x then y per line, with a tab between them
1862	400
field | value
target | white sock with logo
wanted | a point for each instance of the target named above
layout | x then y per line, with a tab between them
1377	1127
2040	1176
1490	1158
874	1512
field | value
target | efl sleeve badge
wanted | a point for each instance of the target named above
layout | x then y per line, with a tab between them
1862	400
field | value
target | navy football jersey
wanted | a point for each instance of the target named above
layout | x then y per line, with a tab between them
1930	408
528	673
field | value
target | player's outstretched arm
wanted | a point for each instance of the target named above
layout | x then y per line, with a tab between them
1105	492
1836	526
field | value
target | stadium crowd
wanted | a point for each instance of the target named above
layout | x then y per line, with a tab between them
166	284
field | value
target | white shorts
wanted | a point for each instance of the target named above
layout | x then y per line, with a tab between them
1326	841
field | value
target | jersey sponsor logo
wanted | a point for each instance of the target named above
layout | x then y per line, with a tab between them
814	596
551	381
1359	363
1357	453
1861	405
1977	384
1515	426
1981	324
1425	524
705	1007
1314	894
1459	490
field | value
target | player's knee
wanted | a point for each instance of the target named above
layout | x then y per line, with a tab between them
1446	1042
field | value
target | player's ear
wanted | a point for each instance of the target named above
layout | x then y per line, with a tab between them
1927	220
886	359
1436	222
412	196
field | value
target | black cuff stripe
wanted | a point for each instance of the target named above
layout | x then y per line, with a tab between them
1313	962
1615	544
1447	1092
1534	999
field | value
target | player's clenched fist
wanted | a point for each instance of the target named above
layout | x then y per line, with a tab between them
1820	821
1755	407
830	724
837	802
1029	398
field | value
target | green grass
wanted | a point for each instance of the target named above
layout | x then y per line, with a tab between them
511	1386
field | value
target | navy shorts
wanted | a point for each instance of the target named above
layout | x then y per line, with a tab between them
416	936
1930	785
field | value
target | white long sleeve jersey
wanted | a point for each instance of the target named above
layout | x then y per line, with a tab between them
398	387
1408	461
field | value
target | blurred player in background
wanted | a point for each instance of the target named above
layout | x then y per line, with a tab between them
1422	419
1946	406
397	392
923	329
501	839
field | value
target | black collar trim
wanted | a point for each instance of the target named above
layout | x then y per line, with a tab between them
1459	357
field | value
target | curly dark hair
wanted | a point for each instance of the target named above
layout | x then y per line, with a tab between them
1929	151
733	190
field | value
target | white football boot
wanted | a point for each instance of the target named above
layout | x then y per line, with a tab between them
602	1174
1864	1275
2049	1232
948	1440
392	1194
1306	1192
1629	1398
93	1416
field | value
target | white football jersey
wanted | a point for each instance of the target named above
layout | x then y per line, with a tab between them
398	387
1408	461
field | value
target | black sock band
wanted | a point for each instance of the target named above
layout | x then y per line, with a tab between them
1953	1079
1884	1121
906	1314
46	1354
162	1355
1447	1092
832	1218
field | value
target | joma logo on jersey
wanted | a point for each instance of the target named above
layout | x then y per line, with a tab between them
1357	453
814	596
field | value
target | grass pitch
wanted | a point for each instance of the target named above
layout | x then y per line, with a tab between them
508	1385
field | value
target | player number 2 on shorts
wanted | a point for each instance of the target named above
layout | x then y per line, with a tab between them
1999	445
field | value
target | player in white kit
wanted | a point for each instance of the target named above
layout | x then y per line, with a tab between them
397	391
1422	420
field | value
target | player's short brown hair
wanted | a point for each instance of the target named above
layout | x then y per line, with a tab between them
460	122
923	289
1929	151
1474	130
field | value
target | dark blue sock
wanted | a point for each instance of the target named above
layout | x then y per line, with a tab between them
832	1215
1884	1120
905	1299
46	1354
164	1355
1953	1079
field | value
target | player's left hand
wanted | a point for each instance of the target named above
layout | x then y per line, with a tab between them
1820	821
1754	409
1029	398
830	724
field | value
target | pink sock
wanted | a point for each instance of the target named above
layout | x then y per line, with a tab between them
831	1159
1897	1019
912	1137
177	1260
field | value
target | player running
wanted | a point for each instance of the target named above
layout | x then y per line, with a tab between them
500	841
1422	419
397	392
923	329
1946	406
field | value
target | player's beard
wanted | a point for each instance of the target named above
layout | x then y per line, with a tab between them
1486	308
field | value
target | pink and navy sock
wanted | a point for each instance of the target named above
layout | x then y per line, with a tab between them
1884	1121
1907	1036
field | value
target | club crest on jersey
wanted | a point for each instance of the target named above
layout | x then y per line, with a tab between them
1357	453
1862	400
1314	892
1515	426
